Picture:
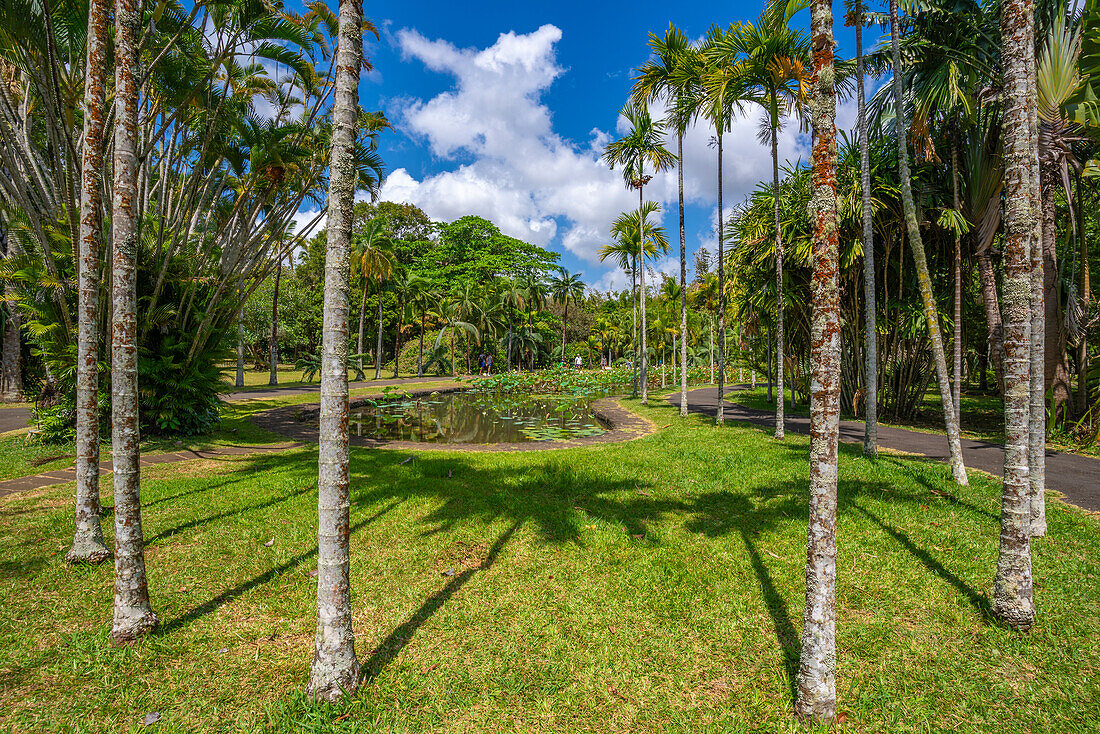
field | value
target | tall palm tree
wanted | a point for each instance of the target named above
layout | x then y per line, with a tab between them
816	699
335	669
856	13
566	288
625	251
407	288
374	260
88	544
1013	601
133	616
642	146
769	60
513	298
916	244
423	299
467	300
659	79
273	341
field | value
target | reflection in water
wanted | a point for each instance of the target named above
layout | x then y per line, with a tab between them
469	417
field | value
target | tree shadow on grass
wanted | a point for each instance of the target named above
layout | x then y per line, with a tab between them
197	522
942	494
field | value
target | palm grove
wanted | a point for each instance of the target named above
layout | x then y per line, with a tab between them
147	214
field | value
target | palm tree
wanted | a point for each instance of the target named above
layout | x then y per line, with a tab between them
768	62
407	289
467	300
1013	601
373	259
335	669
273	342
857	18
512	298
133	616
816	699
448	313
642	146
565	288
625	251
659	79
423	299
88	544
916	244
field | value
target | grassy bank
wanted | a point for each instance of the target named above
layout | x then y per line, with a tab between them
655	585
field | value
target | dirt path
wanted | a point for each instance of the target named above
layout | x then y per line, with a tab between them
1075	476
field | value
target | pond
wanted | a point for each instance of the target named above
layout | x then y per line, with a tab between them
473	417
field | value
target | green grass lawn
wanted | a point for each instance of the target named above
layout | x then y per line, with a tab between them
650	586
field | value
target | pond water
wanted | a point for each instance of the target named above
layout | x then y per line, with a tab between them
471	417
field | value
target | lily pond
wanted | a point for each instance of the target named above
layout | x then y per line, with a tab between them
474	417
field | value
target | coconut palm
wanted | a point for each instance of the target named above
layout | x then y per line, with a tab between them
816	698
335	669
88	544
566	288
916	245
133	615
373	259
640	148
659	78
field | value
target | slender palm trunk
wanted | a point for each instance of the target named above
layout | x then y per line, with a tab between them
1084	294
870	309
273	344
634	327
397	341
133	616
916	244
957	337
378	346
721	291
987	282
816	698
779	419
88	545
683	276
1013	601
643	377
239	382
335	669
12	389
564	324
710	322
1042	317
362	314
420	349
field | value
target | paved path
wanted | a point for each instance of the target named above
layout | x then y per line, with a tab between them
1075	476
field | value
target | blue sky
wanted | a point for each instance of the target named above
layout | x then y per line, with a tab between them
501	109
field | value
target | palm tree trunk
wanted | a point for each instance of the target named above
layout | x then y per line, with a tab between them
816	698
916	244
987	280
779	421
88	545
133	616
710	321
397	339
420	349
1043	253
870	308
643	377
957	344
1084	294
683	276
12	390
634	326
335	669
721	291
1013	601
362	313
564	324
378	350
239	382
273	344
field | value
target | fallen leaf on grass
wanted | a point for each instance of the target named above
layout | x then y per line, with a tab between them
406	461
270	542
151	718
341	717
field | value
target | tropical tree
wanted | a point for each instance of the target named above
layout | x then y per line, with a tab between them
661	78
133	615
916	245
642	146
273	341
566	288
407	288
816	699
88	544
335	669
373	260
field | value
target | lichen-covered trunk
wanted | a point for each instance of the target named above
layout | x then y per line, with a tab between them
643	376
240	353
710	322
88	544
870	312
133	615
816	696
987	283
335	669
956	346
721	294
916	244
273	342
683	277
1013	603
362	314
1043	253
779	406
